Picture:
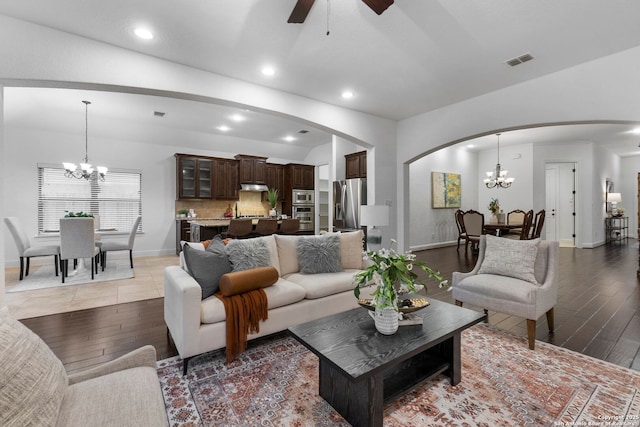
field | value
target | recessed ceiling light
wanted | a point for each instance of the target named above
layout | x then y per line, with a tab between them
289	138
237	118
348	94
143	33
223	128
470	146
268	70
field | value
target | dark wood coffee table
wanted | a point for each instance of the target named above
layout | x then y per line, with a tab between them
361	369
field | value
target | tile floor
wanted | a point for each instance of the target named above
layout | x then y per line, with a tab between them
147	284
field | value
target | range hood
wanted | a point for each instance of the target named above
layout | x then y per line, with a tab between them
253	187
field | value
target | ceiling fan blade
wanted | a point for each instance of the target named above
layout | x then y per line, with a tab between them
378	6
300	11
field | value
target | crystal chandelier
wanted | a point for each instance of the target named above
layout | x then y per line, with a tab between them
85	170
498	177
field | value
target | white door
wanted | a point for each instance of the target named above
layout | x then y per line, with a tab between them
560	201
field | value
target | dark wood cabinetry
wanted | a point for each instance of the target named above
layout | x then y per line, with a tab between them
183	232
275	179
194	177
300	177
226	182
252	169
356	165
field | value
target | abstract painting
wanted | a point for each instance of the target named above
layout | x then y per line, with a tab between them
445	190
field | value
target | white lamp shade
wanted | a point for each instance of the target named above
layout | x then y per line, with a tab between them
614	197
374	215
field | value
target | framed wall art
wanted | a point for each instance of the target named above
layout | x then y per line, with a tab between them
445	190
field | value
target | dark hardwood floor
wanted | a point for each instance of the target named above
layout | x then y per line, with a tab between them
598	312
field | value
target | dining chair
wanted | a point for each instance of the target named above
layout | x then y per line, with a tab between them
25	250
538	223
516	216
462	234
525	231
289	226
239	228
77	241
266	227
474	227
115	245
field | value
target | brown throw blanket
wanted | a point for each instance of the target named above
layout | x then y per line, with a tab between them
244	312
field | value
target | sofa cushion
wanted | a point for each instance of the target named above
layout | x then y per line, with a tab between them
323	284
512	258
216	246
206	267
33	381
279	294
126	398
239	282
287	254
351	249
245	254
319	254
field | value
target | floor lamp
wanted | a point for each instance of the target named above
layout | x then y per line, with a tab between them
374	216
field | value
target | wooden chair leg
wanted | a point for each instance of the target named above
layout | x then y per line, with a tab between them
21	268
131	257
26	273
531	333
55	257
486	313
550	319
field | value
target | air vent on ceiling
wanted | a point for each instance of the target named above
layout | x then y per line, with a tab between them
520	59
303	131
159	114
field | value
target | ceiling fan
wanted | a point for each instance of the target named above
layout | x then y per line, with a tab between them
302	8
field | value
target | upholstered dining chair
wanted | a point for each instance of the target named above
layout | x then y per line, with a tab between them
289	226
25	250
518	278
474	227
266	227
538	223
78	241
239	228
516	216
462	234
115	245
524	233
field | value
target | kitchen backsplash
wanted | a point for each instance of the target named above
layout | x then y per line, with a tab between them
250	203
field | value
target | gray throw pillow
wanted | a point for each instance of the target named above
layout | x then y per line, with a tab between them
207	268
245	254
217	246
511	258
319	254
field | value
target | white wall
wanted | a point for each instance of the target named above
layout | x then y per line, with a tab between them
603	89
2	182
429	226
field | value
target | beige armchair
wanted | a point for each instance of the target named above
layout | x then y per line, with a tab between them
36	389
25	250
502	292
110	246
77	240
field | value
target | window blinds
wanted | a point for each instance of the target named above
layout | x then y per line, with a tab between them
117	201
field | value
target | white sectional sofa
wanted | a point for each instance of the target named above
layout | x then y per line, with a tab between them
198	325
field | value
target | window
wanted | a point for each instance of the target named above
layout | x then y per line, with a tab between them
116	201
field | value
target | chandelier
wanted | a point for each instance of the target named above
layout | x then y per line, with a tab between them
498	177
85	170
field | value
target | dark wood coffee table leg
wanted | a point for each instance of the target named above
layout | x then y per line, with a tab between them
451	348
361	403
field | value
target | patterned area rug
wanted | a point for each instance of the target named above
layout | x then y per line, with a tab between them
275	383
45	276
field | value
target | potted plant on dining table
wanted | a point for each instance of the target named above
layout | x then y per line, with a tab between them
393	274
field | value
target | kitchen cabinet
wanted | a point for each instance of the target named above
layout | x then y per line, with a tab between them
226	180
252	169
356	165
194	177
299	177
275	179
183	232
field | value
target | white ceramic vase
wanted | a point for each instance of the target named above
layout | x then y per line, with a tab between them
386	320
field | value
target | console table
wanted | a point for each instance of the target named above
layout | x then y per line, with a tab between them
616	229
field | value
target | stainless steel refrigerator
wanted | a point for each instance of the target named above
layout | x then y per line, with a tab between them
348	196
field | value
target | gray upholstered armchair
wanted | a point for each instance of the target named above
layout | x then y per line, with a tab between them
515	277
25	250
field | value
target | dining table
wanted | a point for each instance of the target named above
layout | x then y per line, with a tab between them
500	229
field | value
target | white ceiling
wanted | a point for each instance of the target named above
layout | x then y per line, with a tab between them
415	57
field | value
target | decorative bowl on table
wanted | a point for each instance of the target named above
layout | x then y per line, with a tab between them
407	303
